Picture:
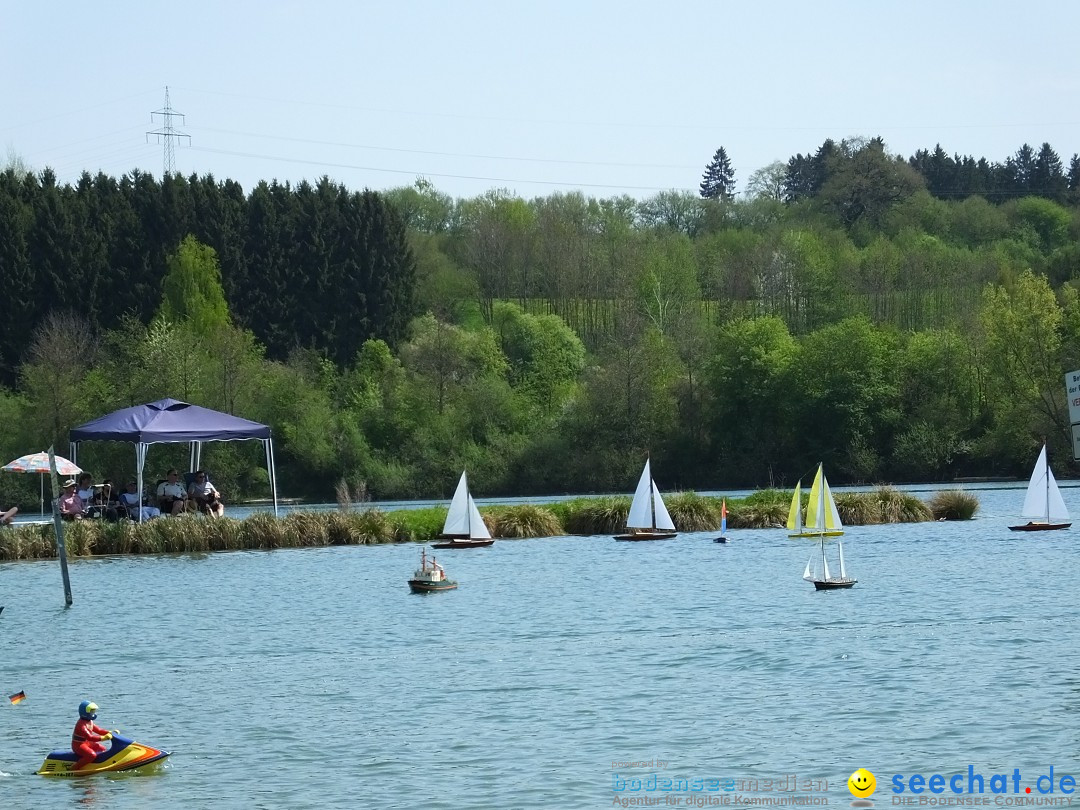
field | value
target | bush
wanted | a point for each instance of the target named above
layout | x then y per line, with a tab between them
691	512
527	520
597	516
953	504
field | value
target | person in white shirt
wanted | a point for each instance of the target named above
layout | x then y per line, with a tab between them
205	495
172	500
86	488
133	502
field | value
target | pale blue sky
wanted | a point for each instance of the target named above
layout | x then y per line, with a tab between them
606	97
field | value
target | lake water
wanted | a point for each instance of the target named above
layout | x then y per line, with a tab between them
313	678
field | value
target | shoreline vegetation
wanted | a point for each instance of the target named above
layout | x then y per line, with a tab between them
582	516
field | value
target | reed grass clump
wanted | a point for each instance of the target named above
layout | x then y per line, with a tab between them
856	509
419	525
882	505
373	527
597	515
194	534
901	507
263	530
953	504
691	512
27	542
527	520
766	509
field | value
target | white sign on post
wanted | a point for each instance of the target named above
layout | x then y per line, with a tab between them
1072	392
1076	442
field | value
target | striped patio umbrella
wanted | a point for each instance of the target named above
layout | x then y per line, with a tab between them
39	463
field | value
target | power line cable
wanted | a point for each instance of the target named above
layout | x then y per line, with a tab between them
416	173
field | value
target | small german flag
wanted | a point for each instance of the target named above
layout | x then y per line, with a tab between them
18	697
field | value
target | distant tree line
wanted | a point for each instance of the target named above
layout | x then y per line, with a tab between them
548	344
303	266
955	177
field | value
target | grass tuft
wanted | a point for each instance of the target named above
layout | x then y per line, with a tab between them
597	515
953	504
527	520
691	512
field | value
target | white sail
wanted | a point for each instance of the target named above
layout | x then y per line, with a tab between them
1056	510
477	529
640	510
457	518
1043	500
808	574
663	519
840	546
833	516
825	563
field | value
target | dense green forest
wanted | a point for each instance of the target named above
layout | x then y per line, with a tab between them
898	319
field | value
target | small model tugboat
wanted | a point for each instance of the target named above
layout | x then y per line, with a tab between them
430	577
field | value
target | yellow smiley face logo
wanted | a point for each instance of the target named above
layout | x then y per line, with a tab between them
861	783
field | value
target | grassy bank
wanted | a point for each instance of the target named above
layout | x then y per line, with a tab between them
582	516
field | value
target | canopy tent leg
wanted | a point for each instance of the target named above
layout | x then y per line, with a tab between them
269	445
140	461
195	456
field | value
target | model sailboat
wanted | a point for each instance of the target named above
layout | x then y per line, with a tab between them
649	518
822	520
723	523
1043	504
464	528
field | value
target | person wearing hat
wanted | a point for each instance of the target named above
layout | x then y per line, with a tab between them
72	506
87	737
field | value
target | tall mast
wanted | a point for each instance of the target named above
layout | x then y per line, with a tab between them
1046	477
652	497
821	500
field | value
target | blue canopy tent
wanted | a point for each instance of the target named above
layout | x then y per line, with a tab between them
169	421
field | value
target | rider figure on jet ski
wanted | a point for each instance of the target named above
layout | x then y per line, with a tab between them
86	738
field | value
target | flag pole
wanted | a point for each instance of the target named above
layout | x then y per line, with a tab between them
59	524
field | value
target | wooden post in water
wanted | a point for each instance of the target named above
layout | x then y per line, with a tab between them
59	524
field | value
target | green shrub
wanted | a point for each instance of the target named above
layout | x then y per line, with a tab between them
691	512
597	516
527	520
953	504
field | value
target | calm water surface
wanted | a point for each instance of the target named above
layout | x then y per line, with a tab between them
313	678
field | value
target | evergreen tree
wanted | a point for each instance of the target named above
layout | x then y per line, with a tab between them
1048	176
718	182
1074	180
1021	170
798	181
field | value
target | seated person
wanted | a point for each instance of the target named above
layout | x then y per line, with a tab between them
172	500
85	489
72	506
8	516
205	495
105	503
135	504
